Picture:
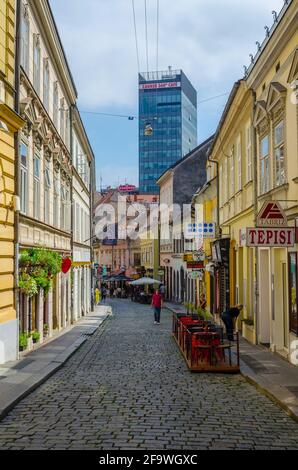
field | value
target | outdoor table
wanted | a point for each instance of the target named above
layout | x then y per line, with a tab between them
205	343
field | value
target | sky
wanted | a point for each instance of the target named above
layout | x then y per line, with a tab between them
209	40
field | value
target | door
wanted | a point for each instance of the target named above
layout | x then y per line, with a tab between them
285	306
265	298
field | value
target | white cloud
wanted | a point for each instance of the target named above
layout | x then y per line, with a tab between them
209	40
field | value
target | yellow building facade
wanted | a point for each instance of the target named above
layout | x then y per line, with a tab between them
256	151
10	123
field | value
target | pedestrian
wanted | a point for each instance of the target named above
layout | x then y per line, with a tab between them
229	318
103	294
157	304
97	296
162	290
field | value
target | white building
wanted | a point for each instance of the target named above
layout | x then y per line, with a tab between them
48	105
83	174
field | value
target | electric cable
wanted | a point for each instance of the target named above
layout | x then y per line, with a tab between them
136	34
146	33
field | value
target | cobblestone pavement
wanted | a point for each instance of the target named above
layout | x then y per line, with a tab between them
129	388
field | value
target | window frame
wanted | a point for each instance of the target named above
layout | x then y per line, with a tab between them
36	63
46	84
266	160
36	186
24	178
277	147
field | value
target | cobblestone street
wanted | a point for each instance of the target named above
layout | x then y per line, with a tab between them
129	388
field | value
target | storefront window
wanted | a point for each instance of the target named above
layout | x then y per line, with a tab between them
293	290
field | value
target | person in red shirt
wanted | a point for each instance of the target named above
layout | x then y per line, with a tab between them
157	304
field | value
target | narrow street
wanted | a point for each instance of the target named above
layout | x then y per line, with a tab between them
128	388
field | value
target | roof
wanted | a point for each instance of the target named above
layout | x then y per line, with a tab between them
186	157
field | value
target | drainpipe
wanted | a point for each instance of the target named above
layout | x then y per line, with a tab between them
217	190
17	167
71	117
255	178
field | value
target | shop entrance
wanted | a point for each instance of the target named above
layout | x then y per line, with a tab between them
265	298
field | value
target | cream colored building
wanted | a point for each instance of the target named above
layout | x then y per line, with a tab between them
83	169
10	123
47	96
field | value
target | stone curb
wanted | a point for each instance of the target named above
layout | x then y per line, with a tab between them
30	385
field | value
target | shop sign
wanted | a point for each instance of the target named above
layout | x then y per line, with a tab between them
187	257
272	215
198	255
242	237
159	85
195	265
275	237
202	229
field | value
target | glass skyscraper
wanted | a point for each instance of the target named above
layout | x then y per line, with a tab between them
167	124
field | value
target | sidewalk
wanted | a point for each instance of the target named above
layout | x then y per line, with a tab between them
18	379
268	372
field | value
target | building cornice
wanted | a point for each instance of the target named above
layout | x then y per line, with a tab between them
45	227
11	117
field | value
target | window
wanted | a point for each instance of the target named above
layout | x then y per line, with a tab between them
248	154
47	189
25	30
46	85
239	164
56	201
63	208
264	154
36	186
24	177
293	290
67	129
226	180
232	173
279	152
62	119
36	63
55	104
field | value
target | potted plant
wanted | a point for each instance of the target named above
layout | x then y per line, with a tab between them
23	341
35	336
45	330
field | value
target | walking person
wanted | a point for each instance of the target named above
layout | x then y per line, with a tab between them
162	290
229	318
103	294
157	304
97	295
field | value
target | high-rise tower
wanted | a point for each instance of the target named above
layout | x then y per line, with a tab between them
168	123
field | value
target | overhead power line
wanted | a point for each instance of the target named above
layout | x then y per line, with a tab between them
157	34
133	117
146	33
136	34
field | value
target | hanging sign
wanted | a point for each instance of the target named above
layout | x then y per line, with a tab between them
272	215
275	237
195	265
66	265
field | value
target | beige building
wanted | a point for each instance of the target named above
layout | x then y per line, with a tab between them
10	123
47	95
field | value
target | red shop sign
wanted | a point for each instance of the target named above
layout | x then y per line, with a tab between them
66	265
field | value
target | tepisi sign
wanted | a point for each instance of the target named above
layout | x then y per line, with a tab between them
272	215
158	86
275	237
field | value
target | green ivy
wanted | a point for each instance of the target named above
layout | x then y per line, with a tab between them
38	267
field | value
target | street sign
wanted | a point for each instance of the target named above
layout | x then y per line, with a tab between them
272	215
274	237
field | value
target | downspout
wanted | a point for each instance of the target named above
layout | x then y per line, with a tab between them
255	178
17	168
71	211
91	189
217	190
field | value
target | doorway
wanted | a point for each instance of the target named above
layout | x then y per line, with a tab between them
265	298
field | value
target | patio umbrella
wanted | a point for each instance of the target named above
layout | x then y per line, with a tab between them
145	281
